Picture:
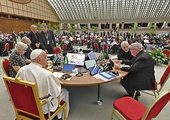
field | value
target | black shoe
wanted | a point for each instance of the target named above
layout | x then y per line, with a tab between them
138	93
136	97
60	119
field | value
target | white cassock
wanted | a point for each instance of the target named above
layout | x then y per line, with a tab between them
47	84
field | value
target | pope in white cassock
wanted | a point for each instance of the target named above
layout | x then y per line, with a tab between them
47	83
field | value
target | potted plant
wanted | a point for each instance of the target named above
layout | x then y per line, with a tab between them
72	29
134	27
84	29
94	29
56	27
39	26
158	56
152	29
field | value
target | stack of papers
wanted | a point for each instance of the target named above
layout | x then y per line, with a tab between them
105	76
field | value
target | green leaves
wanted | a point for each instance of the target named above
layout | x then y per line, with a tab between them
158	56
152	29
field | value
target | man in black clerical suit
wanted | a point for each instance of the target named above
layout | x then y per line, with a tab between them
35	37
124	52
27	41
141	71
48	39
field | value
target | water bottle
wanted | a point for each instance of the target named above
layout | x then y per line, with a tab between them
62	60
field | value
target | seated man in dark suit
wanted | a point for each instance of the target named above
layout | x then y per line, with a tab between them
124	52
141	71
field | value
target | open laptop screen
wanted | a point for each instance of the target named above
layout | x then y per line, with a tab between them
92	56
90	63
76	59
68	67
55	59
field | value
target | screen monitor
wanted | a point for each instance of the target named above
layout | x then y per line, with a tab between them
92	56
76	59
68	67
90	63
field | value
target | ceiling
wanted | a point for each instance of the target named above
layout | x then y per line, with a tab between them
112	11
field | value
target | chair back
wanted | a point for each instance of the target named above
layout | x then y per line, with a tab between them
96	47
105	47
157	106
166	52
64	47
57	50
165	76
14	44
5	66
6	47
75	41
25	98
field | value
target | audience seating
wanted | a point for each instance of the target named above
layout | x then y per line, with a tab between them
167	53
26	102
5	50
64	47
57	50
96	47
128	108
74	41
105	48
5	66
158	86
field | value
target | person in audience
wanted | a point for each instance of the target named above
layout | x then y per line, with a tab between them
141	71
124	52
35	37
27	41
17	59
47	83
108	65
47	39
167	46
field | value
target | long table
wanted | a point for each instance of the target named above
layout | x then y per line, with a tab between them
88	80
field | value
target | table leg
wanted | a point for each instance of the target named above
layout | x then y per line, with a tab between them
99	102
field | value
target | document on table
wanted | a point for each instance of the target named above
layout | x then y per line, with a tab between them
105	76
58	74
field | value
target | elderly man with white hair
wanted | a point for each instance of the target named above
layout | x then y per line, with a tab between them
141	71
47	83
124	52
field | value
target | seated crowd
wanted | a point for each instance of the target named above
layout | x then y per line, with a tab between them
28	61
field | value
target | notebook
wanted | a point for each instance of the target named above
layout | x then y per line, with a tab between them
68	67
90	63
92	56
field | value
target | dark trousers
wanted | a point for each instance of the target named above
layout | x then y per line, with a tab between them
129	86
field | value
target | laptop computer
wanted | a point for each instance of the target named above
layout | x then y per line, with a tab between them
90	63
68	67
95	70
55	59
92	56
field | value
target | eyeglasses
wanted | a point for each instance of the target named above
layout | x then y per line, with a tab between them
132	49
125	46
